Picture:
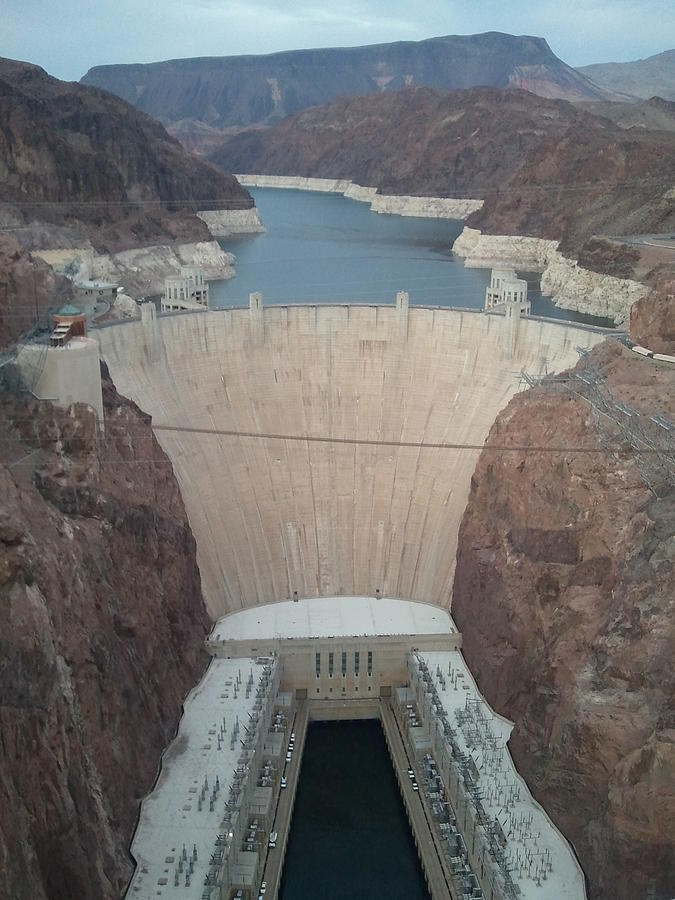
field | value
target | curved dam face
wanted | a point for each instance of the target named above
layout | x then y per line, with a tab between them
311	491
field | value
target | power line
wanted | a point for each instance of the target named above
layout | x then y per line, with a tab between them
372	442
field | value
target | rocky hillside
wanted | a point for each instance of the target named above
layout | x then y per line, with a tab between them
650	77
101	638
654	114
652	320
544	167
29	288
564	593
78	157
243	90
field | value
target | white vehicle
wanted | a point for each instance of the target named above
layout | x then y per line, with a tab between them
415	786
263	887
292	735
283	783
288	757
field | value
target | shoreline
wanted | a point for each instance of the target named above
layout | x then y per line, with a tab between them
569	285
383	204
141	271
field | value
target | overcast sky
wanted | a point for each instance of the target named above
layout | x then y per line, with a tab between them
70	36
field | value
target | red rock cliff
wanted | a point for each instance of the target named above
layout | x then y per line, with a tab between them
101	638
564	593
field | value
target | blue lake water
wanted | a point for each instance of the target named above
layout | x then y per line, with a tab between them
349	837
324	248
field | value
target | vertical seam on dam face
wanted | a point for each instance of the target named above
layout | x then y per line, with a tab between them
328	372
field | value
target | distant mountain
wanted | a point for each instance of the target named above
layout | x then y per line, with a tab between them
650	77
244	90
77	156
654	114
544	167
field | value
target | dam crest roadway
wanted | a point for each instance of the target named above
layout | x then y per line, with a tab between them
370	501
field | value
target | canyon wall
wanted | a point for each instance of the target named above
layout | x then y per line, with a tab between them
570	285
564	595
101	638
80	158
543	168
285	425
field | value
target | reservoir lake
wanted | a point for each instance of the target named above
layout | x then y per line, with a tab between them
323	248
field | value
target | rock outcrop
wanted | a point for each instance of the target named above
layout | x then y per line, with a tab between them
652	320
101	638
564	594
141	271
570	285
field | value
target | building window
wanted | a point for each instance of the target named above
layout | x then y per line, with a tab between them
318	664
344	663
357	661
330	664
370	663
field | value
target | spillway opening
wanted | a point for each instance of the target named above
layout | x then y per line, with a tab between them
350	835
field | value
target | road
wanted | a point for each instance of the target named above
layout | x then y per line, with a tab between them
274	862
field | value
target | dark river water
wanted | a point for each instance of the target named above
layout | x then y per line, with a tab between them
350	838
325	248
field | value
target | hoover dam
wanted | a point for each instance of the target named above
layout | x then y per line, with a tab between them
327	450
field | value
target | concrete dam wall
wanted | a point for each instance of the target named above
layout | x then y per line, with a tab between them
293	511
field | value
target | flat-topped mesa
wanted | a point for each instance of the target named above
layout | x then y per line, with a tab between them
328	450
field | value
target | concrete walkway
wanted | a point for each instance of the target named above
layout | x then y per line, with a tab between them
274	862
439	881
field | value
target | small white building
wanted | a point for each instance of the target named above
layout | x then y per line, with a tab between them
507	292
189	290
